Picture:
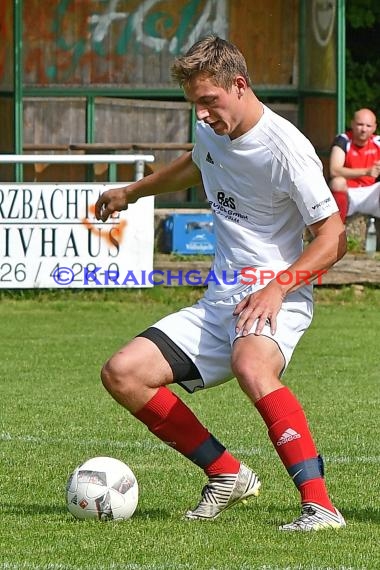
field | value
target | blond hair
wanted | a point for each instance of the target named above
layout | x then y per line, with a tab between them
213	57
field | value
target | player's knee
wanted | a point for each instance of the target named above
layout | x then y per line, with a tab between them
243	372
338	184
257	374
246	371
117	375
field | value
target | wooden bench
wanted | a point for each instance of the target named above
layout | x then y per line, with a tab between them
100	169
45	147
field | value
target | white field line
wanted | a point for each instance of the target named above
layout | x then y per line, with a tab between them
38	440
127	444
151	446
51	566
132	566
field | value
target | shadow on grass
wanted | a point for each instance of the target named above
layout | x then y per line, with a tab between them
362	515
31	510
270	516
34	509
280	515
154	515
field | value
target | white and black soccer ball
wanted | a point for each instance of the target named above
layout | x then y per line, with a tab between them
102	488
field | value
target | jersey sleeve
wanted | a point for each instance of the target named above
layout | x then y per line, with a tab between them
196	152
313	196
341	142
195	155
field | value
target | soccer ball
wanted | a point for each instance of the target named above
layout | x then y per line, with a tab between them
102	488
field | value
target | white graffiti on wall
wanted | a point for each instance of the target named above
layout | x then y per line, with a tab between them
104	21
323	19
213	19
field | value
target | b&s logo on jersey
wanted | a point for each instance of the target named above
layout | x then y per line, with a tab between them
226	201
226	207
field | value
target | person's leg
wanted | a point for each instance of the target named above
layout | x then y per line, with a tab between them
341	199
137	377
338	187
364	200
257	363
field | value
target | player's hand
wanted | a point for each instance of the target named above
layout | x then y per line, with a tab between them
374	171
262	306
111	201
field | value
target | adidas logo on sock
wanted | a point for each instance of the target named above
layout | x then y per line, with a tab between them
288	435
209	158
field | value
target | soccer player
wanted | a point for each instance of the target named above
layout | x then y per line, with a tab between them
264	183
355	167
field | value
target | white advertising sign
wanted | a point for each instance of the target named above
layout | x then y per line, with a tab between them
50	238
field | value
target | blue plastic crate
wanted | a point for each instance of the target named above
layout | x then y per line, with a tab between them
189	234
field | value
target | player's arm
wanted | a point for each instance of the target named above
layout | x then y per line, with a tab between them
328	246
337	168
178	175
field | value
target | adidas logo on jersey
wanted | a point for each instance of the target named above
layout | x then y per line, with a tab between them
288	435
209	158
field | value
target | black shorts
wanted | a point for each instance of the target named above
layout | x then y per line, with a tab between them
183	368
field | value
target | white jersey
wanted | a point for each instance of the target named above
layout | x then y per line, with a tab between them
263	188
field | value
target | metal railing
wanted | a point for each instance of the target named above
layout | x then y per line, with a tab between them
112	159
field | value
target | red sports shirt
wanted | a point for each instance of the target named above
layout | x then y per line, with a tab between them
359	156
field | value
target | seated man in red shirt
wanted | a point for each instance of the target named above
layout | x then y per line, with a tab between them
355	167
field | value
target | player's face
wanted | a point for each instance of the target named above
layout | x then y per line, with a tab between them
363	126
220	109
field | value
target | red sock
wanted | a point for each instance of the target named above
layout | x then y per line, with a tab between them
168	418
291	437
341	199
226	463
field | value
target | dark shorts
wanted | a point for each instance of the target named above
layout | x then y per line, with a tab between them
184	370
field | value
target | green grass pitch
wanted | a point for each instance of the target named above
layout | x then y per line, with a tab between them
54	414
